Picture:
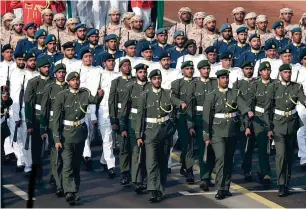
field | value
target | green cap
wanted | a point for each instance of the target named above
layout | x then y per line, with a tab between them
123	61
247	64
222	72
141	66
155	72
72	75
284	67
60	66
264	65
42	62
189	42
203	63
187	64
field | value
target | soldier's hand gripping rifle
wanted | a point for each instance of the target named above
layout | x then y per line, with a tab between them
21	94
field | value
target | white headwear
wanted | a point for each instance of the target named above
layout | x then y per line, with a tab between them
261	18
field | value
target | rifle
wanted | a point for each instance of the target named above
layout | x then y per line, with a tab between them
139	162
105	30
43	147
8	82
10	35
297	76
128	36
59	48
57	156
200	47
205	154
21	94
119	38
28	139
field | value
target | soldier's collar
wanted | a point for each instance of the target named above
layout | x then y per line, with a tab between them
31	39
179	49
254	51
164	69
73	91
81	41
285	83
8	62
279	38
265	81
205	80
222	90
187	79
59	83
141	83
162	45
93	46
50	53
150	39
126	77
156	90
247	79
240	45
227	41
40	47
269	59
44	77
111	51
296	44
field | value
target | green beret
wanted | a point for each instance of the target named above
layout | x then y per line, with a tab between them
187	64
155	72
222	72
247	64
264	65
189	42
60	66
123	61
42	62
203	63
141	66
72	75
285	50
285	67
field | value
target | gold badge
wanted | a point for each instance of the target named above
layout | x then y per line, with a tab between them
246	30
191	63
33	55
230	56
287	50
44	33
168	55
150	47
182	34
273	46
215	50
24	54
73	44
76	75
53	38
158	72
252	64
281	23
267	65
113	56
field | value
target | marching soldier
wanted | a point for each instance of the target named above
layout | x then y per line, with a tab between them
257	98
32	99
246	137
211	33
40	37
240	47
185	17
6	63
70	131
178	50
93	43
70	62
47	20
223	125
296	45
204	85
147	58
28	43
149	38
51	54
106	126
261	26
128	113
6	102
117	90
279	32
80	40
161	44
227	41
250	22
46	129
283	122
16	34
211	54
238	14
113	27
70	34
191	48
152	131
183	89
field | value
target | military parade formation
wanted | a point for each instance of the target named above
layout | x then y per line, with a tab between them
209	90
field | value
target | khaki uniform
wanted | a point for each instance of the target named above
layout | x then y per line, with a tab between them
14	38
209	39
4	34
68	37
47	28
130	35
110	29
197	35
179	26
235	27
266	36
59	34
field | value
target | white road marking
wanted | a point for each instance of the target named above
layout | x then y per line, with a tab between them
17	191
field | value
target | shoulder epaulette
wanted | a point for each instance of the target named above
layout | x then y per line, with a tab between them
144	92
62	91
35	78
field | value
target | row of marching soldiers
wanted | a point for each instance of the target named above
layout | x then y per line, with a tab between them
112	117
207	114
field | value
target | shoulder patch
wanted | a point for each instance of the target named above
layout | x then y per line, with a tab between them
144	92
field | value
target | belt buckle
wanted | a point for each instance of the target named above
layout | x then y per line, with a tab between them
286	114
159	120
227	115
76	123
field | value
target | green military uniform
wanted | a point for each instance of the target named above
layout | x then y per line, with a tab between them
46	118
184	89
32	99
128	123
155	128
117	90
257	99
282	118
69	128
203	87
246	143
222	129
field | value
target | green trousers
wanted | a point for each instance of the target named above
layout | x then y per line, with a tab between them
72	155
157	149
124	154
187	155
224	148
284	146
36	148
205	167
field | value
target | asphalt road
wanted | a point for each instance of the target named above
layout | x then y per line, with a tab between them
97	190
